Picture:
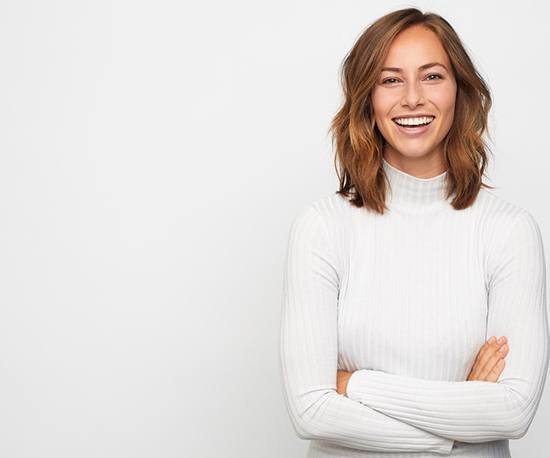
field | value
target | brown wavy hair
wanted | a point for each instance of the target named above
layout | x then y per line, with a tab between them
359	144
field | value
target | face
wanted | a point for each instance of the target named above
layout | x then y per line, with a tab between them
414	90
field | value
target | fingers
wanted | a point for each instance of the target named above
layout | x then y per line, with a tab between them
485	365
482	357
497	355
495	372
493	353
482	350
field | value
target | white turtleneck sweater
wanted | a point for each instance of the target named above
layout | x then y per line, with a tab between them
405	301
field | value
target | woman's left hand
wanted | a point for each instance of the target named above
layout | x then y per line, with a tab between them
342	378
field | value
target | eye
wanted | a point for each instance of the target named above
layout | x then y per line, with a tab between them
435	74
386	80
438	76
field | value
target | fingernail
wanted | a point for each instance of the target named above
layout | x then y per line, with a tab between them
492	339
501	340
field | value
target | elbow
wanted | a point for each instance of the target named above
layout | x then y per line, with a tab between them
305	429
305	418
521	413
301	429
520	426
524	397
510	421
304	432
508	413
304	426
517	431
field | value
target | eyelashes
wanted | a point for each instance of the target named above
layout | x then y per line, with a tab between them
432	74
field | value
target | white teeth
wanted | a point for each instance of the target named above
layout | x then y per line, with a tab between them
414	121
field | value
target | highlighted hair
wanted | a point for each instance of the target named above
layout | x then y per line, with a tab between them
359	144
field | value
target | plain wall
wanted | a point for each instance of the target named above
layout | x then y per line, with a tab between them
152	157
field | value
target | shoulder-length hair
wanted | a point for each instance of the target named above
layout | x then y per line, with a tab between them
359	144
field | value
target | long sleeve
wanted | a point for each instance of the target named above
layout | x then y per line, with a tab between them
479	411
309	354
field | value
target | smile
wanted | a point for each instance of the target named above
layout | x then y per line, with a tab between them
413	122
413	127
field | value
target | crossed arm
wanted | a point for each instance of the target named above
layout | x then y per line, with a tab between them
479	411
393	413
309	353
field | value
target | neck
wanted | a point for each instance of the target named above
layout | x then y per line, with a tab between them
414	194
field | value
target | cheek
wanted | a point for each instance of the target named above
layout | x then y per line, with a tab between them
444	98
381	103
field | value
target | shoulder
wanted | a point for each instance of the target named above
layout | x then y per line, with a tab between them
322	225
328	211
511	230
503	215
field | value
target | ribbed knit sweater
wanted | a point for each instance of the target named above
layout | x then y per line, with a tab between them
405	301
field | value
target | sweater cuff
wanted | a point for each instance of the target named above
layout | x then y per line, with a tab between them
446	446
357	389
360	384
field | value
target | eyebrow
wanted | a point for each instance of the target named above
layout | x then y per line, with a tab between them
422	67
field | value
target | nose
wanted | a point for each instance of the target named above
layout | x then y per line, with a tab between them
412	95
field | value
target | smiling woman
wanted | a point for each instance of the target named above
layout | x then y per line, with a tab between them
409	64
392	304
414	104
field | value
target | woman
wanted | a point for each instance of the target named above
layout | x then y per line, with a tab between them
395	292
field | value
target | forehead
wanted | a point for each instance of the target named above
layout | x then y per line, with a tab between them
416	46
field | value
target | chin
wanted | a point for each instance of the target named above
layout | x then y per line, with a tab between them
413	152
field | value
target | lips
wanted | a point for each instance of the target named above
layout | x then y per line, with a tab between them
419	125
415	131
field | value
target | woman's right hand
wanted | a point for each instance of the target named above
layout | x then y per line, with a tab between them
489	362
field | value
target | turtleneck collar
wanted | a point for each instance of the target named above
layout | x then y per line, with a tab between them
414	194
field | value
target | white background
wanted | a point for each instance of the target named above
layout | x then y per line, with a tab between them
152	156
